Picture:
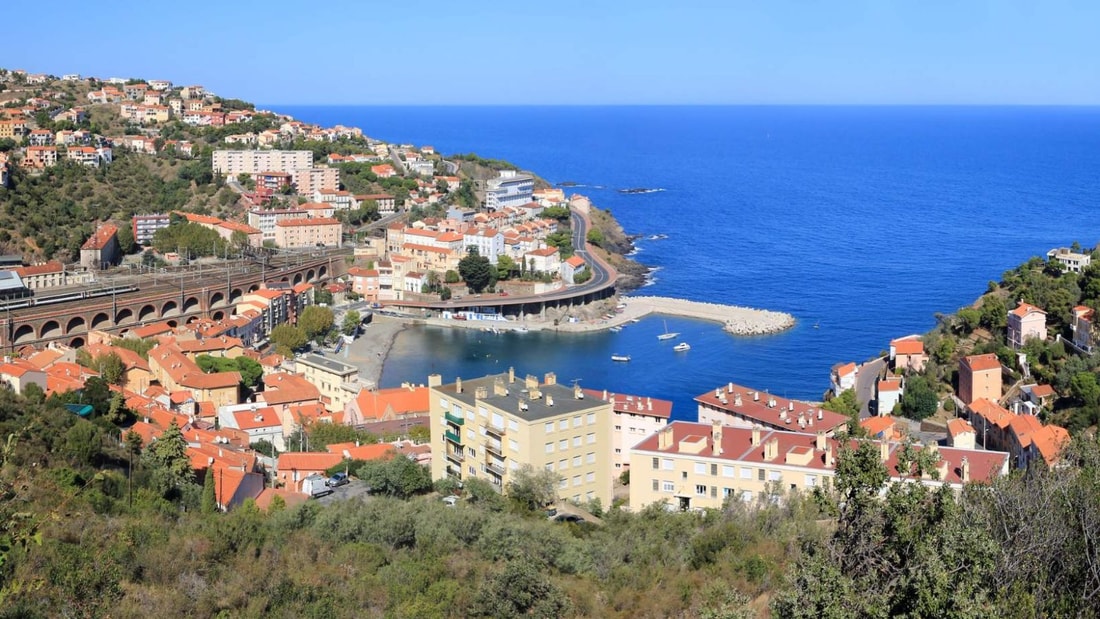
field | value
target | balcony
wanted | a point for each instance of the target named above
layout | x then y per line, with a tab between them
497	431
454	437
493	447
494	468
455	456
458	421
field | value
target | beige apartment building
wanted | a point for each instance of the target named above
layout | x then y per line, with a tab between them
691	466
309	180
979	377
321	231
488	428
230	163
337	382
634	418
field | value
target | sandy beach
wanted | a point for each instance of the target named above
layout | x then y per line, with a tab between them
368	351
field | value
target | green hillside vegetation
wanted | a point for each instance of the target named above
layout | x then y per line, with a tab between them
71	544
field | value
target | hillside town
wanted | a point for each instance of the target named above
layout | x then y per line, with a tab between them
247	412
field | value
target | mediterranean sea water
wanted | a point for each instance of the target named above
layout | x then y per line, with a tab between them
861	221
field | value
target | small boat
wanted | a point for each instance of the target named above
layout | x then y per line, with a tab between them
522	330
667	335
620	358
682	347
615	329
635	320
817	325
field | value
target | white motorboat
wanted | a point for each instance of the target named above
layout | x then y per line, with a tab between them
682	347
623	358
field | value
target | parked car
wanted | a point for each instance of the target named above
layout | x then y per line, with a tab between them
450	501
337	480
316	486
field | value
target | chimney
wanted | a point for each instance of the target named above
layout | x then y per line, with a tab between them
820	444
664	438
481	393
790	406
737	399
435	380
499	388
755	396
511	375
820	414
458	385
716	438
531	382
577	393
729	387
965	475
884	451
549	400
755	435
605	395
550	378
649	403
829	462
771	449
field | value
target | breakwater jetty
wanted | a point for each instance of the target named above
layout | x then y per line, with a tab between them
735	319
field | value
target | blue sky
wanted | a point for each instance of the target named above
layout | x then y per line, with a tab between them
580	52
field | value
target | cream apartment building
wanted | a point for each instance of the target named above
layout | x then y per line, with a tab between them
691	466
315	232
337	382
230	163
488	428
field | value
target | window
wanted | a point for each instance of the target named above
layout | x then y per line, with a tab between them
591	418
473	471
683	474
666	464
481	410
577	421
591	438
590	458
746	496
549	427
470	433
618	428
470	415
564	483
513	426
656	485
576	480
444	404
761	474
714	492
513	444
589	495
775	476
590	477
714	469
470	451
563	464
563	444
576	441
668	486
576	460
619	451
811	481
726	492
727	470
549	448
746	472
563	424
550	466
656	463
700	490
700	468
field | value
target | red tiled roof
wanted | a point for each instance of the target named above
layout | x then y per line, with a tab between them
754	406
636	404
307	461
959	426
102	236
1023	309
906	346
981	363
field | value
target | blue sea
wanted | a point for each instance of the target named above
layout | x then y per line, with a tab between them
863	222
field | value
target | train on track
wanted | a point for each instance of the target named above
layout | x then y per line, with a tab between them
27	298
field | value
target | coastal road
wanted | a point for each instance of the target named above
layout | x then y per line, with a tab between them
397	163
865	385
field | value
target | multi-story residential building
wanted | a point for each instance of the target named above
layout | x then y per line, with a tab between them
545	260
843	377
635	417
273	306
1074	261
1026	322
691	466
1083	317
888	392
364	282
89	155
318	232
13	128
491	427
145	226
387	204
176	372
265	219
907	354
979	377
230	163
734	405
338	199
39	157
101	250
337	382
40	137
310	180
253	237
1023	436
488	241
509	189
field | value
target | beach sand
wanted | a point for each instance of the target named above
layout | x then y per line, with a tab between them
368	351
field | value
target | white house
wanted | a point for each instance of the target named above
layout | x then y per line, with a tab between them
259	422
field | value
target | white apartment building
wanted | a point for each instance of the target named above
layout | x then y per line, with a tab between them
230	163
510	189
264	220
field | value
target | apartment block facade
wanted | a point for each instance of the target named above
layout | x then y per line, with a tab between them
230	163
489	428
